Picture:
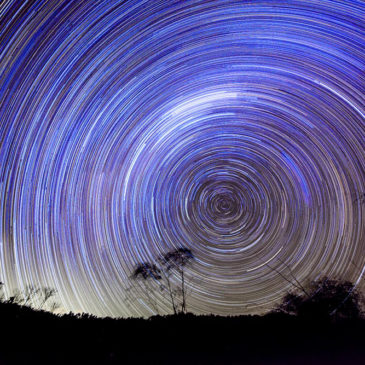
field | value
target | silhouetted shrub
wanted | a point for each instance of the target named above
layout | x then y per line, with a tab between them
326	298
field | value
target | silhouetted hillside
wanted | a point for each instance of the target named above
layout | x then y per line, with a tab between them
37	337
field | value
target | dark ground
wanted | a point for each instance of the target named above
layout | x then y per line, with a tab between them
36	337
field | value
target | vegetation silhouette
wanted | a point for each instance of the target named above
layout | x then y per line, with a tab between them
289	335
159	276
32	296
324	299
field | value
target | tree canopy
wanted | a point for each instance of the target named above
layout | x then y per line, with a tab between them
324	298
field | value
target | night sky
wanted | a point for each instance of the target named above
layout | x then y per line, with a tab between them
131	128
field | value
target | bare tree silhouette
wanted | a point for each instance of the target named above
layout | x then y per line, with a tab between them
291	278
32	296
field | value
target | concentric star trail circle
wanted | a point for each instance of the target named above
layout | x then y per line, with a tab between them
132	128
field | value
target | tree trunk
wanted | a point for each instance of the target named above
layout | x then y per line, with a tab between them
171	294
183	305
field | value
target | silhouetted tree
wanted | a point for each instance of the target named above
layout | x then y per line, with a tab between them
291	278
325	298
162	273
45	296
177	260
149	274
32	296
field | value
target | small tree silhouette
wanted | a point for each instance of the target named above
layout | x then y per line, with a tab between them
32	296
149	275
178	260
161	274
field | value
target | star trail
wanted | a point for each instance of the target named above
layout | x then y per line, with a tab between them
131	128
